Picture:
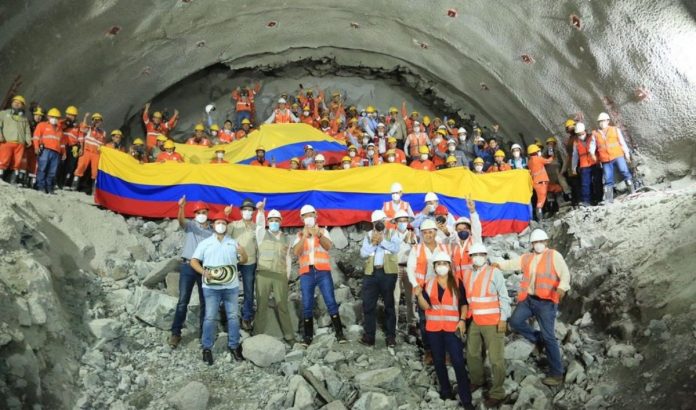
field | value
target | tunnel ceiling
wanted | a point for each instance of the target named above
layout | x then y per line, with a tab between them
525	64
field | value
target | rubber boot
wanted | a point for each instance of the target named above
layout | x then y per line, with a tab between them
75	183
539	214
308	332
13	178
631	188
608	194
338	328
66	184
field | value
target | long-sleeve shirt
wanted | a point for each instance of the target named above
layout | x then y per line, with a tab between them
391	245
245	234
271	119
497	287
558	262
591	148
261	233
404	245
413	260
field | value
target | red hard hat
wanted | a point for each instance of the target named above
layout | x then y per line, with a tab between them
441	210
200	205
217	216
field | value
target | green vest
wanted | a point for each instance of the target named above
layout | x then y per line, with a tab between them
272	254
391	261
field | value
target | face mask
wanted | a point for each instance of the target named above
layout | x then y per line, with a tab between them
274	226
380	133
68	123
220	155
478	168
416	129
306	113
18	111
539	247
396	197
351	154
391	159
516	154
401	226
582	137
246	214
346	166
220	228
438	140
310	221
450	148
462	139
213	133
53	121
366	141
201	218
442	270
478	260
463	235
424	157
370	153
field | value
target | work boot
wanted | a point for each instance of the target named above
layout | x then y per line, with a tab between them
308	332
174	341
553	380
338	328
208	356
492	403
391	342
75	184
366	341
236	354
631	188
246	325
608	195
428	358
539	214
13	178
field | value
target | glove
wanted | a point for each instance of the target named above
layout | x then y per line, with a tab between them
74	151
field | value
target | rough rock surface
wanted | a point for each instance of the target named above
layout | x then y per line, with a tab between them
263	350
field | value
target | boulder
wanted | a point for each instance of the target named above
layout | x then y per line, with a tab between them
519	349
304	396
107	329
621	350
375	401
153	307
389	379
338	238
334	405
575	373
193	396
263	350
159	272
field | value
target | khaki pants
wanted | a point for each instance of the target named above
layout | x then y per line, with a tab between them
403	282
494	342
277	283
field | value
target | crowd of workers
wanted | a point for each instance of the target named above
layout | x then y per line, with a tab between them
49	150
438	264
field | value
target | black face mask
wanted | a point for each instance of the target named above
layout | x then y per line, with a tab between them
68	123
260	158
19	112
463	235
379	226
440	219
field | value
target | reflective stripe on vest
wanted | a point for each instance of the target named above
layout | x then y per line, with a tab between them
546	281
460	258
321	256
608	145
415	141
584	158
484	306
389	208
282	117
422	261
444	314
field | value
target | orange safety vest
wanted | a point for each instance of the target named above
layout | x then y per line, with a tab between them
204	142
226	136
608	146
484	305
422	261
321	256
460	257
282	117
444	315
390	211
415	141
165	156
499	168
536	165
244	103
584	158
72	135
94	139
546	281
426	165
51	137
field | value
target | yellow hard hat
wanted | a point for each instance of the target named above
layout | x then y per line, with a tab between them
353	120
161	137
352	147
54	112
72	110
391	140
450	121
393	110
138	141
478	160
370	109
451	159
199	127
533	149
260	148
442	132
214	127
569	123
325	119
169	144
415	113
423	149
551	139
19	98
306	108
38	111
295	159
246	121
295	105
96	116
499	153
426	120
537	141
346	158
335	93
157	114
219	148
391	151
116	132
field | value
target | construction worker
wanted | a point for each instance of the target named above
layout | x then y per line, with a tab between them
311	246
540	179
369	121
545	281
380	248
482	151
439	144
116	141
396	204
380	138
355	159
138	152
443	300
199	137
407	239
451	162
49	148
72	135
94	138
244	131
244	102
499	165
479	163
437	213
517	161
15	136
227	134
309	100
244	232
419	269
282	115
214	133
274	269
214	253
158	148
260	160
422	162
467	231
555	170
415	141
573	180
399	155
309	117
195	231
612	151
294	163
319	162
345	162
584	164
156	127
307	161
169	153
371	157
219	155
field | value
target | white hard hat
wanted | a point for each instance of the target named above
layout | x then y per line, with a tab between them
428	224
416	123
402	214
440	256
319	157
462	220
430	196
538	235
282	101
603	117
381	125
451	141
209	108
579	127
396	187
441	127
461	130
478	247
372	144
378	215
516	146
307	209
274	214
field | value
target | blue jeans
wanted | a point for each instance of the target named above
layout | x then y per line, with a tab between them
229	298
308	282
187	279
590	177
248	273
545	313
48	166
373	286
242	115
448	342
608	168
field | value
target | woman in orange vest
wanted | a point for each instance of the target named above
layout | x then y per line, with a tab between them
443	298
489	309
312	250
536	164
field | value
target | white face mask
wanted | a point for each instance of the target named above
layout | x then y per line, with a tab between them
462	138
424	157
391	159
346	166
478	168
201	218
220	155
370	152
53	120
442	270
220	228
246	214
582	137
396	197
438	140
306	113
366	141
516	154
380	133
402	226
450	148
310	221
351	154
213	133
416	129
539	247
478	260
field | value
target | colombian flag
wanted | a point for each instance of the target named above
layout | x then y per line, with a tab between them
341	197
